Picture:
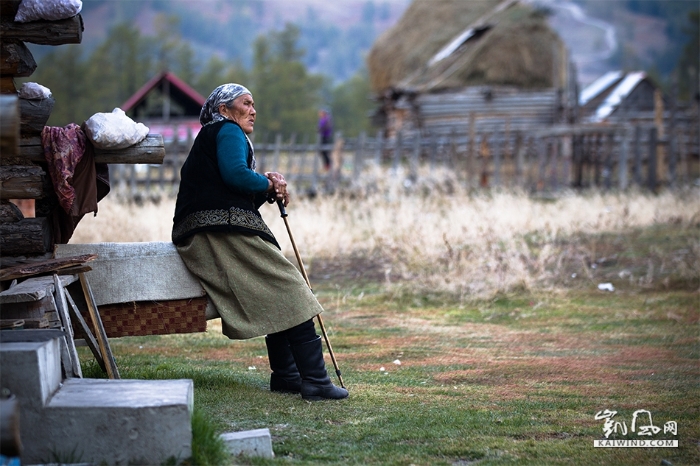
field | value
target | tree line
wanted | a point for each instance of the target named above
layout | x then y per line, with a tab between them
287	95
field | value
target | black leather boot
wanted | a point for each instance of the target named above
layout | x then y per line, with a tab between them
285	377
315	383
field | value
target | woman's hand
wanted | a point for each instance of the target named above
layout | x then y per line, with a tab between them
278	187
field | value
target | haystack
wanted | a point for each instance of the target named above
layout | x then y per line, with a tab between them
494	42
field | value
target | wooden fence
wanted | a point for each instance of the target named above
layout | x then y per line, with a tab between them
538	160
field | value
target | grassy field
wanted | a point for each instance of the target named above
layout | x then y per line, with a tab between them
469	329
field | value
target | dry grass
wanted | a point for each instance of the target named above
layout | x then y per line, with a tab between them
439	237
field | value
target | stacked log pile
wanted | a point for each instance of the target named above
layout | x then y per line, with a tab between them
23	170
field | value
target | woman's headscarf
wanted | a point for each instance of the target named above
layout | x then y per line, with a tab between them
221	95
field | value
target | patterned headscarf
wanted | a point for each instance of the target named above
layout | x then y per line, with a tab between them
221	95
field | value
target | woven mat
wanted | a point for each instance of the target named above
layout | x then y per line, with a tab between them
151	318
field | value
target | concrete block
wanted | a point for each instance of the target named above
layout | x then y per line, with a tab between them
114	422
249	443
31	370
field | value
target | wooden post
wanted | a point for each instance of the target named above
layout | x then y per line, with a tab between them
415	156
637	173
498	149
608	161
622	164
471	151
660	134
520	148
102	340
566	156
397	152
359	157
651	160
672	142
62	308
378	147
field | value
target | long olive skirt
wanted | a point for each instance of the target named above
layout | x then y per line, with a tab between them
255	289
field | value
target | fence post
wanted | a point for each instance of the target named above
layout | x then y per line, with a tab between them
520	148
607	160
415	156
622	163
397	152
471	152
498	148
651	161
378	147
638	155
566	155
278	146
359	156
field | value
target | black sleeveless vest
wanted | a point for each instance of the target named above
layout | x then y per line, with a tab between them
206	203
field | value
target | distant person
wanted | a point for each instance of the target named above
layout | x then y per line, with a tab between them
325	131
223	240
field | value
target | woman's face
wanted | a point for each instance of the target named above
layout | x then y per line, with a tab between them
242	112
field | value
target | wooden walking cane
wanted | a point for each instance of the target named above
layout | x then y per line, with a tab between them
283	214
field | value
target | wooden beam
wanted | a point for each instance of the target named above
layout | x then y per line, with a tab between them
23	182
63	31
16	59
26	237
150	150
50	265
9	126
33	115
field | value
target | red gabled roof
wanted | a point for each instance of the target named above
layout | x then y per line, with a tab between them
178	84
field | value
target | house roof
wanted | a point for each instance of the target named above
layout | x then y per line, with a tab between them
610	91
447	44
179	91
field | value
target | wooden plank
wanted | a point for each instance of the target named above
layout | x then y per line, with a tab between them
33	289
25	237
126	272
63	31
33	115
16	59
89	337
23	182
62	308
150	150
50	265
66	357
105	350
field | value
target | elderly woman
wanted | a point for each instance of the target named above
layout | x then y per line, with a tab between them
224	241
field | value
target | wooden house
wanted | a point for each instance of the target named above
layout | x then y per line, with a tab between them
618	96
168	106
449	65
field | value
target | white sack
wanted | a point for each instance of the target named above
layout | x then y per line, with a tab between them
50	10
34	91
114	130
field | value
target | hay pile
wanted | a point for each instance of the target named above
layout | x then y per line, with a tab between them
519	49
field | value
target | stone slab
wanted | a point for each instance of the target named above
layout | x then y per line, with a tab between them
136	422
249	443
31	370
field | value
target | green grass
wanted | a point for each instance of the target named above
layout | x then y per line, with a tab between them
515	379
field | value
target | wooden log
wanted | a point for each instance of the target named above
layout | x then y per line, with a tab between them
26	237
16	59
33	115
10	213
150	150
9	126
23	182
63	31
